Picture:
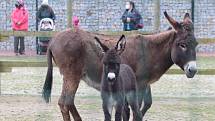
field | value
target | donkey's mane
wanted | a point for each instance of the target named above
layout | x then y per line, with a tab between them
155	38
159	38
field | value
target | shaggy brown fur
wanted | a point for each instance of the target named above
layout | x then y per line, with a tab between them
150	56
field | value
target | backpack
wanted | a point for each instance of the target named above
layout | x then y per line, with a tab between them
139	24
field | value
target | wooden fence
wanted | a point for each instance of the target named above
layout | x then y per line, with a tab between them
4	35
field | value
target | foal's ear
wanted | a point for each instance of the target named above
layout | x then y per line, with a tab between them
104	47
173	22
120	46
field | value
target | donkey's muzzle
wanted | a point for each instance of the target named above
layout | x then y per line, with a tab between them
190	69
111	76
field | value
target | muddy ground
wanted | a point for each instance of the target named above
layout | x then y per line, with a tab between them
175	98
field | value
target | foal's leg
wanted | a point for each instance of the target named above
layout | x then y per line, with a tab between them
107	106
119	110
107	109
126	112
66	101
147	97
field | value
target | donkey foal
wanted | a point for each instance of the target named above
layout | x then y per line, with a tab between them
118	85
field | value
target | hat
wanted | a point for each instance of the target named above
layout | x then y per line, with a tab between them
20	2
45	2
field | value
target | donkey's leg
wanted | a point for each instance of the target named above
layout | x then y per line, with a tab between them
119	110
66	101
64	109
137	115
132	99
107	106
126	112
140	97
107	109
147	97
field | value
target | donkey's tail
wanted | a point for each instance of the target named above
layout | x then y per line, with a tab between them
47	87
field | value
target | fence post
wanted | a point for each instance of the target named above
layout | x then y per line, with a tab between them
0	83
157	16
69	13
192	9
36	25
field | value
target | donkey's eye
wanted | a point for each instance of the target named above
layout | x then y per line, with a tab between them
183	46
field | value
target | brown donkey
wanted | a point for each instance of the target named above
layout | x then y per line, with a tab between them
150	56
118	84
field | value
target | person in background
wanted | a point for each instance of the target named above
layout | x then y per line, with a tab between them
19	19
45	11
131	18
75	22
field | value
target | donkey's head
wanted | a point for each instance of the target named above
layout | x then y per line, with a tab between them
111	59
183	51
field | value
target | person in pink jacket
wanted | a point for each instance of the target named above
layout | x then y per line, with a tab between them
19	23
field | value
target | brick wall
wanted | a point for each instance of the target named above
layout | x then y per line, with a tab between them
104	15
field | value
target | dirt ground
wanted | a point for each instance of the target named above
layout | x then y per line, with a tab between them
175	98
33	108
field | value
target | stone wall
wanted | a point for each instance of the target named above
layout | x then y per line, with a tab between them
205	18
175	8
104	15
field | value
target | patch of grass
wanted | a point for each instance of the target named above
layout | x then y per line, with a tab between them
44	116
89	106
206	62
90	97
193	109
206	40
40	58
202	63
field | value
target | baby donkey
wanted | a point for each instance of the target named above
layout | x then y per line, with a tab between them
118	85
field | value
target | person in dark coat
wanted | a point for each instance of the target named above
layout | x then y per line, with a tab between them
131	18
45	11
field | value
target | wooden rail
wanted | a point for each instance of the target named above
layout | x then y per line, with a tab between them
27	33
4	35
6	63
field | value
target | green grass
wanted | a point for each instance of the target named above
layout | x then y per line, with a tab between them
203	63
41	58
206	40
206	62
25	61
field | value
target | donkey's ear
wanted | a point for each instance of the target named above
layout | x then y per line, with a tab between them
104	47
120	46
187	16
173	22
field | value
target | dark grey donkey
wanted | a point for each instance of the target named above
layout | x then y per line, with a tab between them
118	85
